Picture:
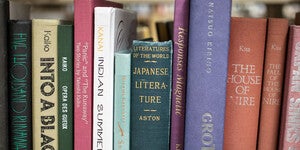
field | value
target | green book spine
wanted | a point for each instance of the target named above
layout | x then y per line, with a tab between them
65	87
122	101
151	72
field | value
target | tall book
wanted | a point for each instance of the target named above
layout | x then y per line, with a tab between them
83	70
4	15
180	46
65	86
244	82
44	84
151	83
274	64
122	100
289	129
115	28
207	73
19	84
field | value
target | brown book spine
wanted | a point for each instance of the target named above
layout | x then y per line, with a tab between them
272	83
290	118
244	82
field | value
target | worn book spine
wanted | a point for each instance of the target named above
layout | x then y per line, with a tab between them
19	84
44	84
115	28
65	86
4	15
274	63
83	69
208	47
244	82
289	129
180	46
122	101
151	83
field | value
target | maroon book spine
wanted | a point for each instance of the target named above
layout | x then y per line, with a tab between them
181	23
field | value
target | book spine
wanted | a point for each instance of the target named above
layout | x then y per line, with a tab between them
103	80
151	83
244	82
65	87
19	84
277	32
207	73
180	38
122	101
289	130
83	69
4	15
44	84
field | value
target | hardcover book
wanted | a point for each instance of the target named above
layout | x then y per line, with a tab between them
19	84
244	82
289	129
277	33
115	28
4	15
83	69
151	83
180	46
122	101
44	84
65	86
207	73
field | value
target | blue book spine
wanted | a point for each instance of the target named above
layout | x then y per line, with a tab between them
122	101
207	73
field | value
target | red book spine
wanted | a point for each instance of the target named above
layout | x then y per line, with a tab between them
290	121
83	70
272	83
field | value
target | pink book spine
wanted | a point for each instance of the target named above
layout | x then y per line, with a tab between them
83	70
290	121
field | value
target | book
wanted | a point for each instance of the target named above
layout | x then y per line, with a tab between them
162	31
244	82
151	83
65	86
289	127
44	84
83	69
180	28
207	73
19	84
122	100
274	64
4	15
115	28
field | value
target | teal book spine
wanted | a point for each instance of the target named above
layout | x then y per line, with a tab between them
151	83
122	101
65	86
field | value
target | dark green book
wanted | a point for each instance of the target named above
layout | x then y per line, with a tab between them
65	86
19	84
151	72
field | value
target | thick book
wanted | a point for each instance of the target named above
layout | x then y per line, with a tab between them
244	82
151	84
44	84
115	29
122	100
4	15
19	84
274	63
289	128
180	47
65	86
83	69
208	47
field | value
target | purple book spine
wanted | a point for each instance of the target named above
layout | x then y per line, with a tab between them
207	73
181	20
